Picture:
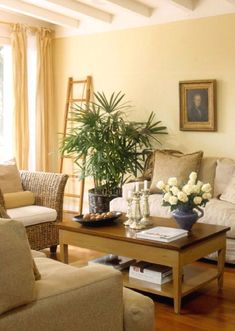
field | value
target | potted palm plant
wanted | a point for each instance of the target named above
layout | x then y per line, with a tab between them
110	146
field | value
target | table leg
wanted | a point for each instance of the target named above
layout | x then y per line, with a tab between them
220	266
64	253
177	283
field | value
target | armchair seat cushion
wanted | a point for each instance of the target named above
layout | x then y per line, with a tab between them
30	215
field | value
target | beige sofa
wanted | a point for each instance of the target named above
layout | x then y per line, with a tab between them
216	211
85	299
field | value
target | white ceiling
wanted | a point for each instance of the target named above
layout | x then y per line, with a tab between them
72	17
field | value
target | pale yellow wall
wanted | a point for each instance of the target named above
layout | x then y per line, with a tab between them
148	63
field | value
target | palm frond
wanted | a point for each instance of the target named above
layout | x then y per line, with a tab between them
114	147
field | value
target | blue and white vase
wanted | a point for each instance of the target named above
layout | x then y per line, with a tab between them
185	218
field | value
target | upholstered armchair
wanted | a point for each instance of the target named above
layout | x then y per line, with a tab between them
40	219
64	298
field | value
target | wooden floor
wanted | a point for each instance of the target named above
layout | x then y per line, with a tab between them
205	310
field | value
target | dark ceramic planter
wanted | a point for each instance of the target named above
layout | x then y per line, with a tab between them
186	218
99	203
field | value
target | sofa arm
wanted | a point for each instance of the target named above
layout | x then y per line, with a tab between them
131	187
47	187
139	312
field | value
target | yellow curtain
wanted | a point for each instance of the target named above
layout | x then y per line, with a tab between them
20	94
44	98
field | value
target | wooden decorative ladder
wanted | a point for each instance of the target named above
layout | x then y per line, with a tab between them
78	92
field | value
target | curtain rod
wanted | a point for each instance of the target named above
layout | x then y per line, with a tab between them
7	23
32	28
2	22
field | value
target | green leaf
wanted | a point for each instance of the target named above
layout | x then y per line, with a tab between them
115	148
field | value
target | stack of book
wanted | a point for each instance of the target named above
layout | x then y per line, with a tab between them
163	234
153	273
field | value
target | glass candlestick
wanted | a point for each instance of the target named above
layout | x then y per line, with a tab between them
136	213
145	221
128	222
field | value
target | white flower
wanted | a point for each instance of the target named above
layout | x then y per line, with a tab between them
160	185
207	196
195	189
182	196
172	181
193	177
173	200
206	188
191	182
167	188
197	200
174	190
167	196
199	184
187	189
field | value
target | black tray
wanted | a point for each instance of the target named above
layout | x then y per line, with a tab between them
102	222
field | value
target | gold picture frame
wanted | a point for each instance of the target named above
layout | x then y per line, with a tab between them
198	105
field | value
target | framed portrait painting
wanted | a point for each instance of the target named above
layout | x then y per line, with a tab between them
198	105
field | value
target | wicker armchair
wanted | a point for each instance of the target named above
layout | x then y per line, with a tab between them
49	192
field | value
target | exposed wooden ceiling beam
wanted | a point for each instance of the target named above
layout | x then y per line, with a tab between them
231	1
134	6
185	4
83	8
39	13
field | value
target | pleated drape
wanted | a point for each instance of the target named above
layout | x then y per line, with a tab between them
20	94
44	98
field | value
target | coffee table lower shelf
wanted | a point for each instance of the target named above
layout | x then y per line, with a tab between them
194	278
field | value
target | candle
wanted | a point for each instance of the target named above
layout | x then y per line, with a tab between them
130	194
145	185
137	186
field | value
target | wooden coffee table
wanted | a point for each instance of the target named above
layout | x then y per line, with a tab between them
180	254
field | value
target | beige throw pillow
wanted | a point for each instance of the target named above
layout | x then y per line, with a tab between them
207	170
174	165
2	202
223	174
4	216
17	283
19	199
149	163
10	180
229	192
3	213
36	272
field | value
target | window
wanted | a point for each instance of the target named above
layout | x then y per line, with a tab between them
6	97
6	131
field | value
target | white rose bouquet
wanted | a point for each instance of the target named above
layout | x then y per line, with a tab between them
186	197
